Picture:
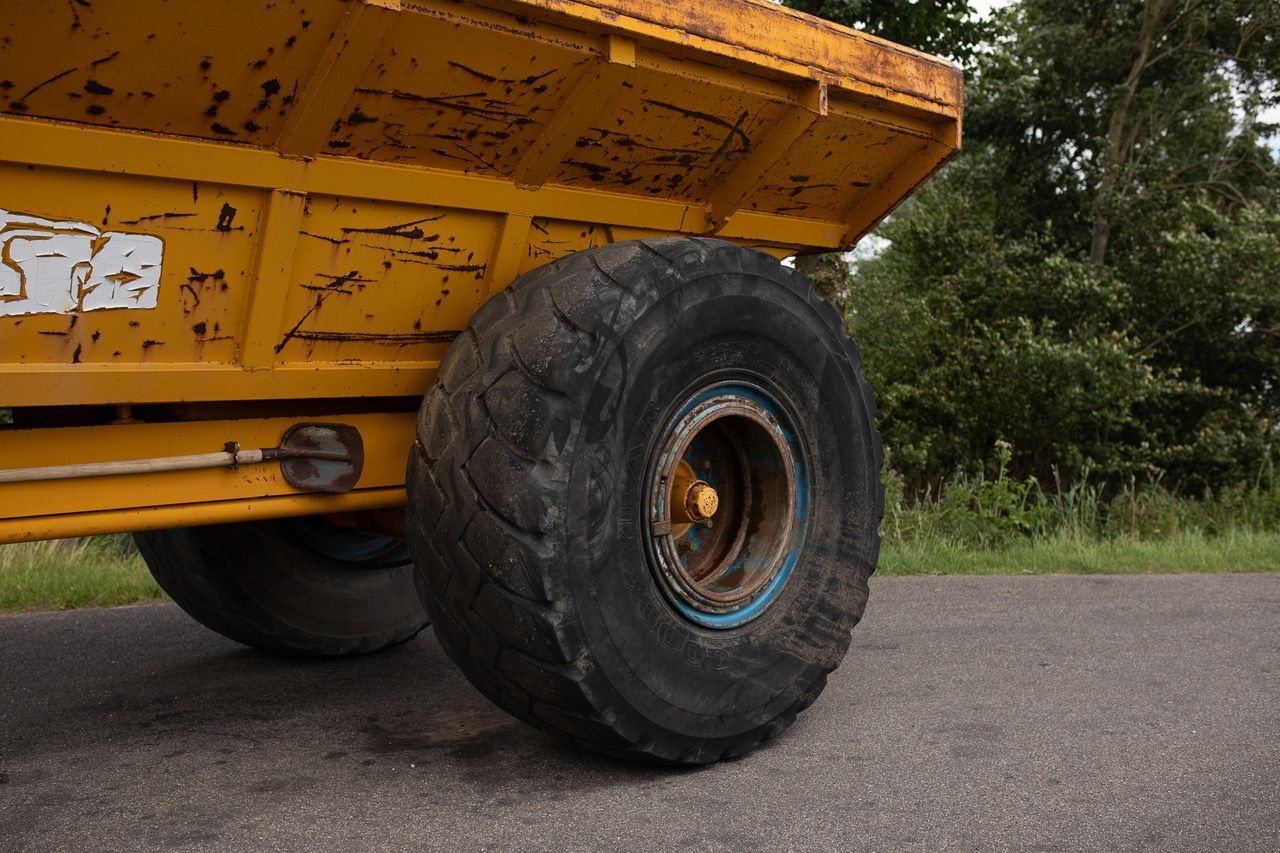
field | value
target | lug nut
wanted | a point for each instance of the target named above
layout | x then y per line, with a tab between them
701	501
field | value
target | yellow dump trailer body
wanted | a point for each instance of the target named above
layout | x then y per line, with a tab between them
220	219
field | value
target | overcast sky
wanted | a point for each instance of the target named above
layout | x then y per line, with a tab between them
985	6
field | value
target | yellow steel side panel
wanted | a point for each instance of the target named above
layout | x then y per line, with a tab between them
99	522
477	107
208	233
814	180
666	136
93	384
281	221
778	250
774	37
551	239
387	439
878	201
226	70
383	282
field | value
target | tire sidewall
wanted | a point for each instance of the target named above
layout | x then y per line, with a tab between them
698	681
258	584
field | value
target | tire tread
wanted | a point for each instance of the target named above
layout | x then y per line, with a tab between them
554	694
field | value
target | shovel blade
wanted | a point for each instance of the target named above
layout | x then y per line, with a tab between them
303	442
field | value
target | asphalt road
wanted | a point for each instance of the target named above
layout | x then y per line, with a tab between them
993	713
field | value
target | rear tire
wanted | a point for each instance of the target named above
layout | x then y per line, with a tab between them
539	485
292	586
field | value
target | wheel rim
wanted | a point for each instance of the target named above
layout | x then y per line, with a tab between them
340	542
731	449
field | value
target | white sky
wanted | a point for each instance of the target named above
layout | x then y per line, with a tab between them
984	6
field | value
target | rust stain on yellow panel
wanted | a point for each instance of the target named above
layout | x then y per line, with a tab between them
550	239
195	69
383	282
647	140
476	108
815	181
350	49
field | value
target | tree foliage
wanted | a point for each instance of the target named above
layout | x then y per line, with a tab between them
1097	278
1107	112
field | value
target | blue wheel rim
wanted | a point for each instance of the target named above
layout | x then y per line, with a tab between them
342	543
727	570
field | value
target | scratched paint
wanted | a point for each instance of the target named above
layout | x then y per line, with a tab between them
54	267
667	137
551	239
197	71
475	108
816	181
383	281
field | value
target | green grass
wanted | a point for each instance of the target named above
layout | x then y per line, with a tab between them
991	523
106	571
1187	551
971	525
70	573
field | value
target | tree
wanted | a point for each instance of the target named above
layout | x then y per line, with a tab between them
973	335
1094	278
1130	106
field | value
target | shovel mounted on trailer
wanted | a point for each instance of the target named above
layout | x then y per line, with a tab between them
313	457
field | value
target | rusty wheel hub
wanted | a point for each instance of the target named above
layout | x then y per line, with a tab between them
727	498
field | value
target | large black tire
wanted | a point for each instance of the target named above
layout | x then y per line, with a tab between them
269	585
527	509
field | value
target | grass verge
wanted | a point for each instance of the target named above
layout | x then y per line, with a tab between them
1187	551
106	571
65	574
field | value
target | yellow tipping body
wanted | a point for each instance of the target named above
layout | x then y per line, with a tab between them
220	218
